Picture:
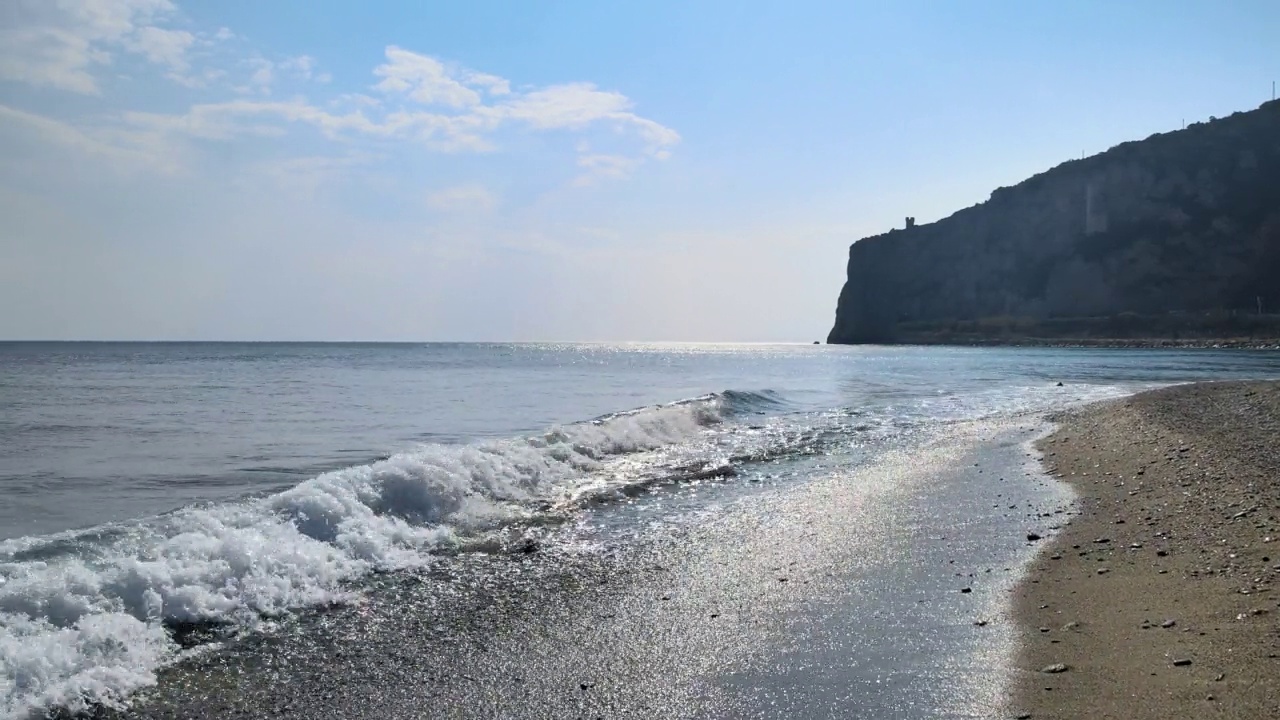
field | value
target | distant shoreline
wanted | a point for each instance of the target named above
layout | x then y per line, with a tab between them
1152	343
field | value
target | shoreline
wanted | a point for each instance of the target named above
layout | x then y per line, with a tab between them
837	592
1156	599
1121	343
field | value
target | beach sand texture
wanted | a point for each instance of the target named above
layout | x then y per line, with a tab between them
1158	596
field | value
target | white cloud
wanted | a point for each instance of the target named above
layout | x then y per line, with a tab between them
471	197
356	99
124	152
443	107
162	47
492	84
47	56
302	66
223	121
115	18
424	79
234	187
58	44
302	63
604	166
577	105
459	119
263	75
565	106
428	81
266	73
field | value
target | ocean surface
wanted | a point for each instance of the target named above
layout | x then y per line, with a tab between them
150	487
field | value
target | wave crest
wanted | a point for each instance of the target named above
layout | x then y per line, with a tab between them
84	614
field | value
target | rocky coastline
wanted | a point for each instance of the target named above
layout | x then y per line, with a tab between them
1174	236
1221	344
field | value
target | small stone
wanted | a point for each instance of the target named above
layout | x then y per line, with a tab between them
1044	629
1054	669
980	623
1102	571
1102	540
1032	537
966	590
1168	623
1181	662
1219	677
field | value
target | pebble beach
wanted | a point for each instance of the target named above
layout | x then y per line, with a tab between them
1157	599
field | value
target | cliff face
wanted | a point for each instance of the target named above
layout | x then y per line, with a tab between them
1187	221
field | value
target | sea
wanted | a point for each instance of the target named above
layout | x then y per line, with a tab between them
148	488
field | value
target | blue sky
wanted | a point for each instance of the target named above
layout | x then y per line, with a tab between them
543	171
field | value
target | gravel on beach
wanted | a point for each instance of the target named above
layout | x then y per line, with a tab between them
1157	600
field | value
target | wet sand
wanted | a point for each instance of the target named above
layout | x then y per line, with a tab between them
1158	597
861	592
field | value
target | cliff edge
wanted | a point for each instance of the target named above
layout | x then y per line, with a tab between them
1175	235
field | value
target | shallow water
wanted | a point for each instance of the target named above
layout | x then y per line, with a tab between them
148	485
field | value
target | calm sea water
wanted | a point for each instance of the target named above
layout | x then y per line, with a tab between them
145	484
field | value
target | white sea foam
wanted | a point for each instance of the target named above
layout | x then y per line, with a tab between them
83	616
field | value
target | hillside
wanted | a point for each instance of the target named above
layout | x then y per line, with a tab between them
1177	235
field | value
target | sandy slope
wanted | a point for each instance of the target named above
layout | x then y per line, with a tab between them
1173	558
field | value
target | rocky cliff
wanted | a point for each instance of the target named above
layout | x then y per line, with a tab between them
1182	223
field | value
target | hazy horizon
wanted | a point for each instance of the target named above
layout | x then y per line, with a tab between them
224	171
609	343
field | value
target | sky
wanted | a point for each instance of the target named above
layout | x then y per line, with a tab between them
544	171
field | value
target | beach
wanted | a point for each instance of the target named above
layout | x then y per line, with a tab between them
844	536
1156	600
1148	596
854	595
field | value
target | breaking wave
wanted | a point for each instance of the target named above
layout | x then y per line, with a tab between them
86	616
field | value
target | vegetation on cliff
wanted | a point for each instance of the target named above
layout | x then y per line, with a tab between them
1174	236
